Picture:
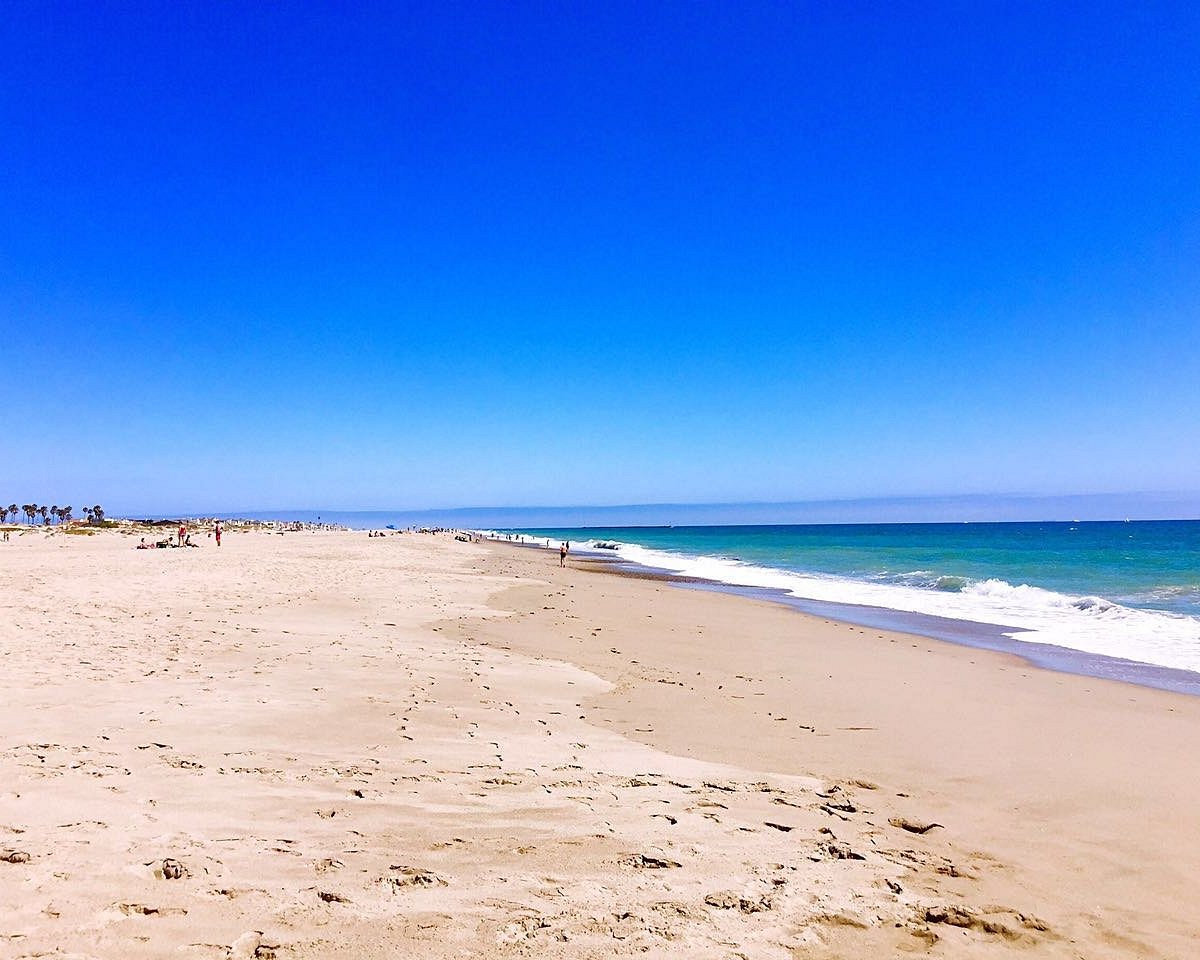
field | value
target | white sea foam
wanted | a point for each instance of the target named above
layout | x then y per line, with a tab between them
1091	624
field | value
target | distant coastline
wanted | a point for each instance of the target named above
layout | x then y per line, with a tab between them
937	509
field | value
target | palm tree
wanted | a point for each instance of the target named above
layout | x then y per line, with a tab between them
12	508
30	509
45	512
66	512
89	514
98	511
54	512
3	514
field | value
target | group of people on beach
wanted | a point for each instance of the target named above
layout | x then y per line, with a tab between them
182	539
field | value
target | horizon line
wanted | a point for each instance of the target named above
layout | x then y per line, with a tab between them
625	505
1190	503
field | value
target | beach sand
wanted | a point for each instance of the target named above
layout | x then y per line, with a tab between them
379	747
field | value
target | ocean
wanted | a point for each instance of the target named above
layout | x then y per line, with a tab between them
1114	599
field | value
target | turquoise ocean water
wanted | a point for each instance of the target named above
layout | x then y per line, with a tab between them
1103	592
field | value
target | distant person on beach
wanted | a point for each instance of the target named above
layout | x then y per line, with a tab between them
182	533
562	554
217	532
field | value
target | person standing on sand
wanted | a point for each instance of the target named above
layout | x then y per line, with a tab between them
182	533
562	554
217	532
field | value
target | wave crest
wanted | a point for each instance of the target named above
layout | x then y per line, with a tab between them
1029	613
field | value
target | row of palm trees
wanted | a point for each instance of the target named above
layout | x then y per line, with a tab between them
47	515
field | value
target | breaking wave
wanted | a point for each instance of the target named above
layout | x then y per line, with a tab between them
1025	613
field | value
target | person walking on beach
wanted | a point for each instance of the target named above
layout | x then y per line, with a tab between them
182	533
217	532
562	554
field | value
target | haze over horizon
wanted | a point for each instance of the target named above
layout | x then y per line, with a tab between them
450	253
948	509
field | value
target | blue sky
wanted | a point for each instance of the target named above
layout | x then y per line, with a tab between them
441	255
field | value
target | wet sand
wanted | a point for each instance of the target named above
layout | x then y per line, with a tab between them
361	747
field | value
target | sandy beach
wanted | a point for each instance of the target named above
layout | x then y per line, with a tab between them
329	745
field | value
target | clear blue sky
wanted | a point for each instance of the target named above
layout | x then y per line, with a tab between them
447	254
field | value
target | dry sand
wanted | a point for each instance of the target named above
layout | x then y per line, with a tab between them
380	747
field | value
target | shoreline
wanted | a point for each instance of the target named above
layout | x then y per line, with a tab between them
973	635
967	633
362	747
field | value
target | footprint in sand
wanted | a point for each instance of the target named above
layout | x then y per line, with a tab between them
913	826
140	909
250	946
842	851
172	870
726	900
642	861
406	876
